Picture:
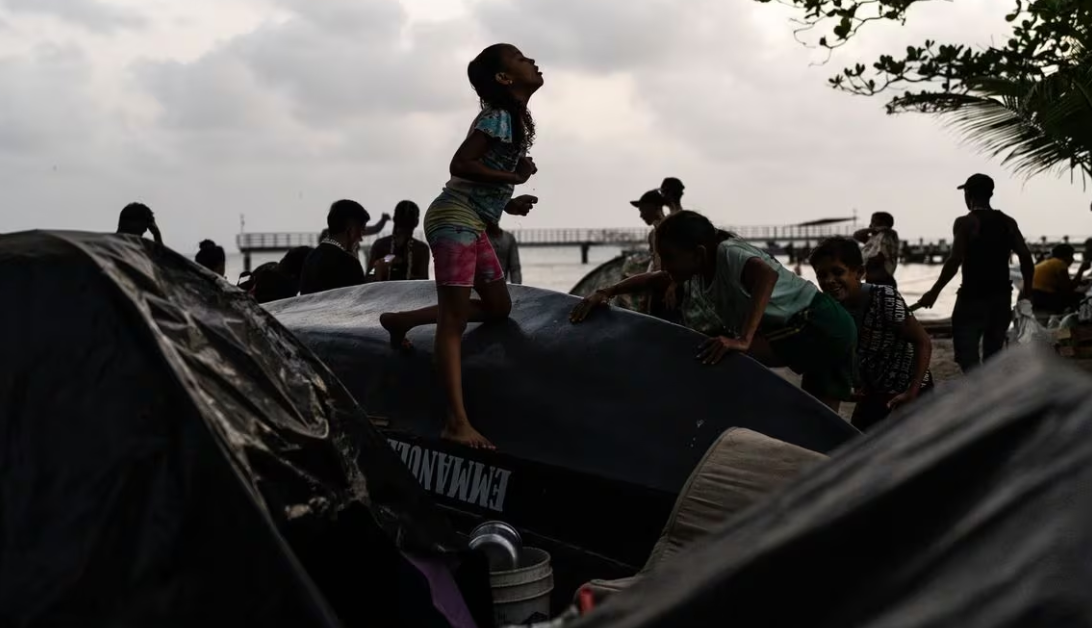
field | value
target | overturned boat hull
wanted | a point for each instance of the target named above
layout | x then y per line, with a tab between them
597	425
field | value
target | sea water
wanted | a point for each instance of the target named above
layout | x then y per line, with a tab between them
559	268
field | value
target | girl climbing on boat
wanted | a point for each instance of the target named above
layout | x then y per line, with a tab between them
771	314
491	161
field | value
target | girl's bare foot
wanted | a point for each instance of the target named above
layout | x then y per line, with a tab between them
464	433
396	326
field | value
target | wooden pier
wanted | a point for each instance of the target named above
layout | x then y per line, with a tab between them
792	241
924	252
777	239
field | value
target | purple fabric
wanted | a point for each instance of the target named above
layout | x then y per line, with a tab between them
445	593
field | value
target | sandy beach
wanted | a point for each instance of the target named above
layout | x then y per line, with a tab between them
943	365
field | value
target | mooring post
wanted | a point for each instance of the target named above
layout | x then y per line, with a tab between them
246	261
584	248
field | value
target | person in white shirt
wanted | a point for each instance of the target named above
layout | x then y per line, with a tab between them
880	250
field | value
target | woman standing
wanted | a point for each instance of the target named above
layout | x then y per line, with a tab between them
400	256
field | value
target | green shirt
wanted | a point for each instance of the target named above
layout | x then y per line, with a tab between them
732	301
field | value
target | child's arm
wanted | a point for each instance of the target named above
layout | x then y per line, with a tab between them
467	163
911	331
636	283
961	231
378	227
759	280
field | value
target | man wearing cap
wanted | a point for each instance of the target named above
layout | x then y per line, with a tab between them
651	207
137	218
672	191
660	304
984	242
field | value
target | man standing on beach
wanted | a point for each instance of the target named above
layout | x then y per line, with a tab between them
651	209
985	240
881	250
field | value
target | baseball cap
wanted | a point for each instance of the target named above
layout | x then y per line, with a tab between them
978	183
652	197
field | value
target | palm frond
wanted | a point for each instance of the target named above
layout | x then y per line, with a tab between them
1034	125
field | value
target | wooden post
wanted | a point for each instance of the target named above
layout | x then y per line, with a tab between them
246	261
584	248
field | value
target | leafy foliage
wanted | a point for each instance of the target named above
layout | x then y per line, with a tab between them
1033	125
1026	101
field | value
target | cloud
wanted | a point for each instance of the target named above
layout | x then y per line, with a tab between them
605	36
330	63
90	14
274	108
46	105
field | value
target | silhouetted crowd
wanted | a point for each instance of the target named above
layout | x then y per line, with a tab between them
335	262
855	338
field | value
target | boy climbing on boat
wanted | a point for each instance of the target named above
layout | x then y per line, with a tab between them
777	317
893	349
491	161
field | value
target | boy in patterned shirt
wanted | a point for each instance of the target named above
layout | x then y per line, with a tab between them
893	349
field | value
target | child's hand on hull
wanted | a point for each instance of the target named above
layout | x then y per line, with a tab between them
521	205
525	168
596	299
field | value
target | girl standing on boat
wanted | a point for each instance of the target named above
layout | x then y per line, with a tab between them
893	349
491	161
774	315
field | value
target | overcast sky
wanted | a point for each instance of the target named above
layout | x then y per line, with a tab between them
208	109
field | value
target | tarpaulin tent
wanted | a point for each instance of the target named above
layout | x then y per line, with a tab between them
171	456
974	509
597	425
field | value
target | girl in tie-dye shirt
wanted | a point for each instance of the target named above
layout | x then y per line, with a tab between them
491	161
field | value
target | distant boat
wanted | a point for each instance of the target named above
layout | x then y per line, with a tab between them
606	274
825	221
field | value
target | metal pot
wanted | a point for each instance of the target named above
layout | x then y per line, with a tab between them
501	543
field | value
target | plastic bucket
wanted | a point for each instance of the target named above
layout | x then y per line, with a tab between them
522	595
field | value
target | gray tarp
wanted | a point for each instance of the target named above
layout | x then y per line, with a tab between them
171	456
972	510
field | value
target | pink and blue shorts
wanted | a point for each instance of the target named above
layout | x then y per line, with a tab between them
463	256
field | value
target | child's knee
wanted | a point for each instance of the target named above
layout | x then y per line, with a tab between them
499	311
496	306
